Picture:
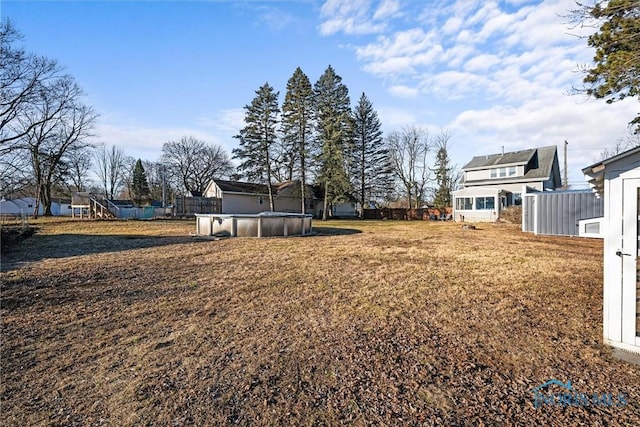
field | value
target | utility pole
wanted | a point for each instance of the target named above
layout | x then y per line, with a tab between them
565	184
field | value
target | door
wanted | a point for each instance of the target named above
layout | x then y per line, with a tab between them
630	305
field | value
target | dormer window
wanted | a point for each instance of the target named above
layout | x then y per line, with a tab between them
503	172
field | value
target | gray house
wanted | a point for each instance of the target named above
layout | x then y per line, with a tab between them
251	198
492	182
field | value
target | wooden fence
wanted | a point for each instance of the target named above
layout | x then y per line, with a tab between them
185	206
408	214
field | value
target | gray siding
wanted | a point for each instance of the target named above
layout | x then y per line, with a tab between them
558	213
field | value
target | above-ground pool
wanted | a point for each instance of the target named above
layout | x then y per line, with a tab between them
265	224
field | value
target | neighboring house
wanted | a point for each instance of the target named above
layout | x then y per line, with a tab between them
617	180
492	182
251	198
26	206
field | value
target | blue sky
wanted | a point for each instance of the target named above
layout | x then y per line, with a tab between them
492	73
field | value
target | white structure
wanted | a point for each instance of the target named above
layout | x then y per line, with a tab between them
492	182
593	228
265	224
251	198
617	179
26	206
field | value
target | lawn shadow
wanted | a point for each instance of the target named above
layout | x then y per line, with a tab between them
39	247
334	231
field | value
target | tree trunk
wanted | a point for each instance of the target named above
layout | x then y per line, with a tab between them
326	201
303	182
362	180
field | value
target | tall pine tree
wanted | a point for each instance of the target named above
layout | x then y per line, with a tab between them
370	165
444	176
334	130
297	125
257	137
139	184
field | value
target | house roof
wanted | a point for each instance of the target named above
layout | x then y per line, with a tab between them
594	174
241	187
253	188
540	161
512	158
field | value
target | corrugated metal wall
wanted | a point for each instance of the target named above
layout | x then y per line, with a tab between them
528	213
558	213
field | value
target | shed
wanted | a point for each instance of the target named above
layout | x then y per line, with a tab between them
617	180
558	213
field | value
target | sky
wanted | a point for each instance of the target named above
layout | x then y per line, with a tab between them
493	75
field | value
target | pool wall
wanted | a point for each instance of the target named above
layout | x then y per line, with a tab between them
266	224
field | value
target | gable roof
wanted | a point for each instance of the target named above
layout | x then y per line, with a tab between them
492	160
254	188
540	163
241	187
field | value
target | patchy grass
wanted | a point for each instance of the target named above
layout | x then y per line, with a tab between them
381	322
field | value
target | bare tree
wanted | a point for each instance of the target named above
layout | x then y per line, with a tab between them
68	124
14	172
408	149
23	77
194	163
160	187
624	143
110	168
75	167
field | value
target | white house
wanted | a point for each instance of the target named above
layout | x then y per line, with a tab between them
492	182
617	179
26	206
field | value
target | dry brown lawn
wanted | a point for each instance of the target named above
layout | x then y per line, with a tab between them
365	323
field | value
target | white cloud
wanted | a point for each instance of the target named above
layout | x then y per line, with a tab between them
387	9
276	19
547	121
482	62
349	17
403	91
145	142
514	61
229	121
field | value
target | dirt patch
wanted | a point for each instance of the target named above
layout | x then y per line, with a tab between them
400	323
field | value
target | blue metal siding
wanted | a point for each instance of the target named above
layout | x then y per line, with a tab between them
558	212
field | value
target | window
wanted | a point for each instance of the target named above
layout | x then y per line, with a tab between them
512	171
517	199
494	173
503	172
592	227
464	203
485	203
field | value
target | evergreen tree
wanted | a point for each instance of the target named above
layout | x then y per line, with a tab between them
370	165
297	125
615	74
334	130
444	178
257	137
139	184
